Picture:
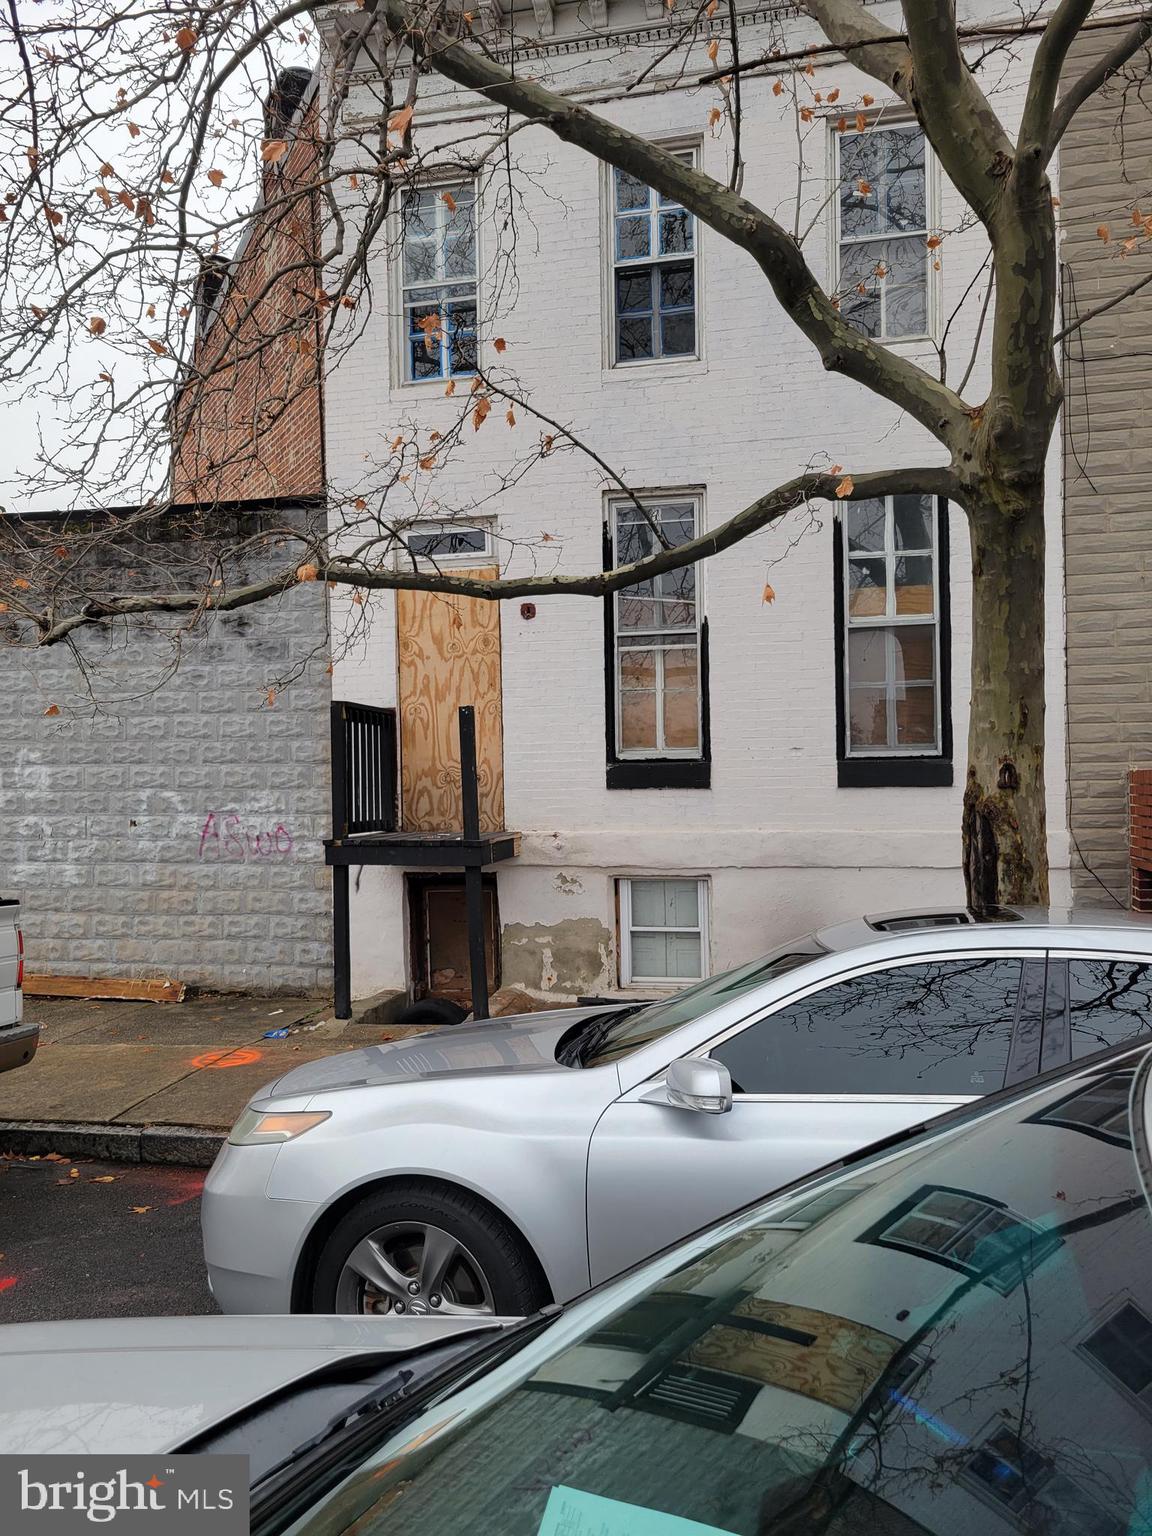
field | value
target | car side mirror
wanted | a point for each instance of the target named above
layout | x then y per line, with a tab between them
695	1082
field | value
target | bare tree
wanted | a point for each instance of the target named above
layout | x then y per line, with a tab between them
114	247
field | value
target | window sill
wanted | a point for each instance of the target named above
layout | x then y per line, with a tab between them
682	367
441	382
659	773
894	772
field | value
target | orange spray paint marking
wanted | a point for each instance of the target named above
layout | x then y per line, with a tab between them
7	1282
240	1058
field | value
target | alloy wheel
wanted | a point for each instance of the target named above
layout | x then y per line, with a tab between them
416	1269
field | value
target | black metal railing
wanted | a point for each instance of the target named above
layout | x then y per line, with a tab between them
363	769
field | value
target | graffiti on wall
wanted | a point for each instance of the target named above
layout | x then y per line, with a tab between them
226	835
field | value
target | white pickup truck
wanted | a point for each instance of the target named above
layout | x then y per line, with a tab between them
17	1040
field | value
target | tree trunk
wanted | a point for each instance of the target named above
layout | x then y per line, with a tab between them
1004	828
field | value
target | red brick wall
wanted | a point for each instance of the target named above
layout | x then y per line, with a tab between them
249	416
1140	836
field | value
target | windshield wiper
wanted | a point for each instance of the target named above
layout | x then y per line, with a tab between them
287	1493
586	1038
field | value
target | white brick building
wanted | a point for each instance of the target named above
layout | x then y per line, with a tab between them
777	815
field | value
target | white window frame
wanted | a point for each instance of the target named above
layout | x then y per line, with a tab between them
689	151
886	124
624	909
659	753
888	621
404	375
482	556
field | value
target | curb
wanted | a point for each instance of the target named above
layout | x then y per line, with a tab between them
114	1143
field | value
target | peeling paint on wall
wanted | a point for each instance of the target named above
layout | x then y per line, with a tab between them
568	885
567	959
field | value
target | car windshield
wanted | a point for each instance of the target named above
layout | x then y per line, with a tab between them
951	1337
617	1035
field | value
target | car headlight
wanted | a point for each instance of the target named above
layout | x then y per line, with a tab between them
254	1127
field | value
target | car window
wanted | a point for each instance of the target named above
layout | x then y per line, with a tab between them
941	1027
962	1344
635	1029
1109	1001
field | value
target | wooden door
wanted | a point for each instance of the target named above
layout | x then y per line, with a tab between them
449	655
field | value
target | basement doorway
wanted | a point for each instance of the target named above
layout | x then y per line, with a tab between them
438	925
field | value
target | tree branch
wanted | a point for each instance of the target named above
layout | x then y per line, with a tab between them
764	511
865	42
1095	76
1044	81
842	348
953	111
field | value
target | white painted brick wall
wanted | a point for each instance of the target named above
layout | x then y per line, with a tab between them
784	846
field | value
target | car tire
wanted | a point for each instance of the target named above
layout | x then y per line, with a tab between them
432	1010
498	1273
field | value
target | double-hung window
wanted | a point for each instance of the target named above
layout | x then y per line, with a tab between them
663	930
884	258
654	272
891	605
439	280
657	636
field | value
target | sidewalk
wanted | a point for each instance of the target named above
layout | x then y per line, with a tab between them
160	1082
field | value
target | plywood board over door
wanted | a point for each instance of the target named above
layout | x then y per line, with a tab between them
449	655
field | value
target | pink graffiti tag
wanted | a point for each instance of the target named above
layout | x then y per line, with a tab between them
226	837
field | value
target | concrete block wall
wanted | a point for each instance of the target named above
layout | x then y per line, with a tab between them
1105	167
168	820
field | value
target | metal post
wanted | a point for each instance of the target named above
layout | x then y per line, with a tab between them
473	873
341	944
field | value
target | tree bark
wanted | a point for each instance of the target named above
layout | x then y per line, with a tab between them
1005	845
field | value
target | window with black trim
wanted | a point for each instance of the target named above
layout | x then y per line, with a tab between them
656	653
653	272
1123	1346
892	662
1100	1110
968	1232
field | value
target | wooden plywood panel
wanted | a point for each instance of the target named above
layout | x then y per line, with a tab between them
155	991
830	1359
449	655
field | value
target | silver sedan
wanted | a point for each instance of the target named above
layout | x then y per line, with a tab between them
492	1168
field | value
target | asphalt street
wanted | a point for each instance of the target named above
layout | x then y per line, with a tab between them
89	1239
